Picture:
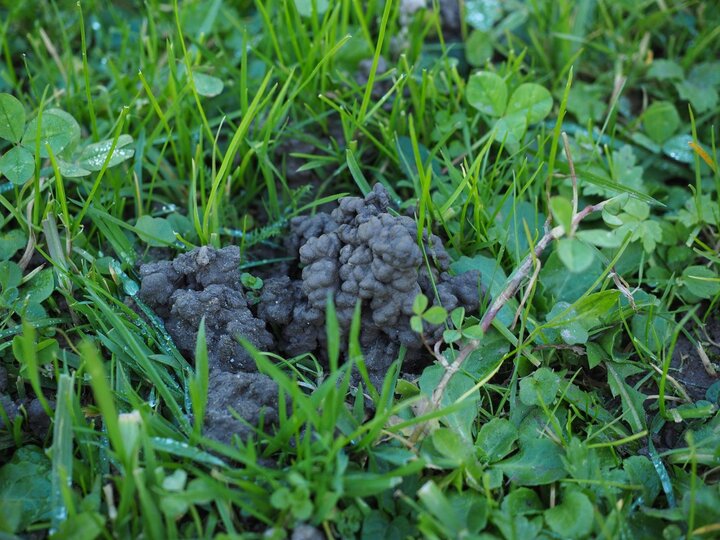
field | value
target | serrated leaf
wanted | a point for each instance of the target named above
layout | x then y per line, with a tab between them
12	118
702	97
487	92
18	165
531	101
543	384
93	157
58	130
575	254
539	462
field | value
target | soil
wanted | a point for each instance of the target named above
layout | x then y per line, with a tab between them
358	253
687	366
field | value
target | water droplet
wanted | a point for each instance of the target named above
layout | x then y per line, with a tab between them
131	288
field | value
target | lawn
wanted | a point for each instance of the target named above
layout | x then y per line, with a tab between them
359	269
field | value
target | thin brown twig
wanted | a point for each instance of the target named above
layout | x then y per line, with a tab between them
511	288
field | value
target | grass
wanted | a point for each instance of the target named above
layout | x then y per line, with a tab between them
575	412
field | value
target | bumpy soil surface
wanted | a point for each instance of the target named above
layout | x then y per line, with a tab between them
360	253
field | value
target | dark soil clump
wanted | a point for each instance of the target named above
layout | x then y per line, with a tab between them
360	253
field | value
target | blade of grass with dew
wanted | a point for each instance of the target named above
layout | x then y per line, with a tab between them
62	451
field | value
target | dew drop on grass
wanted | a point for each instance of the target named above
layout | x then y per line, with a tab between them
131	288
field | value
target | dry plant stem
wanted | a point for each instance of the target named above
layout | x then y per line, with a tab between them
516	279
511	288
624	288
528	291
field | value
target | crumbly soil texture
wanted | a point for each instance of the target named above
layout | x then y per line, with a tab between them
360	253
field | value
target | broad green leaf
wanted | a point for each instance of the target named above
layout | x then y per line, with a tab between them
510	129
10	275
522	501
571	328
72	170
482	14
541	386
12	118
486	359
678	148
461	420
600	237
707	73
487	92
40	287
451	445
416	324
573	517
561	209
10	242
93	157
596	305
420	304
702	97
515	527
662	69
17	165
586	102
701	281
59	130
207	85
435	315
539	462
661	120
478	48
25	487
575	254
83	526
531	101
562	285
305	7
155	231
439	506
496	439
